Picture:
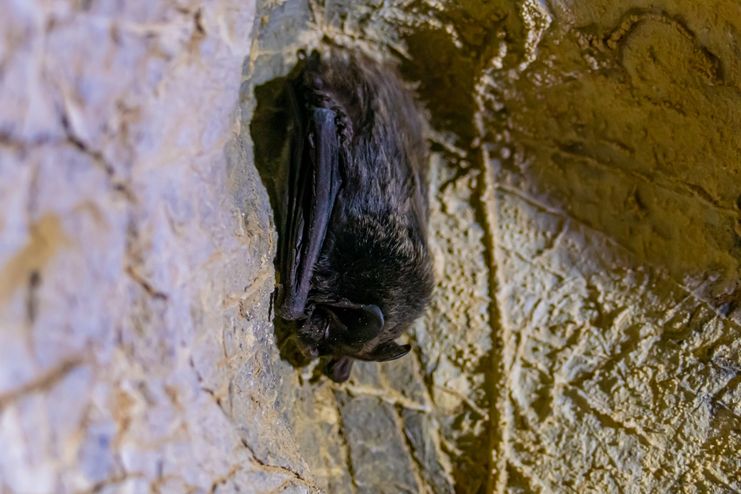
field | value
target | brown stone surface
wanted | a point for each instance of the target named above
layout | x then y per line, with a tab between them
585	185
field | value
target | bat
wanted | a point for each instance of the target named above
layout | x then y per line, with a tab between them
353	254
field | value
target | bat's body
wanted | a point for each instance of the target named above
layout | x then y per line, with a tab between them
354	256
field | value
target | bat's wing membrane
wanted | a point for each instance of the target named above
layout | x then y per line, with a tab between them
314	180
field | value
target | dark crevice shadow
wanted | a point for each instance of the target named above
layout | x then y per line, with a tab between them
446	76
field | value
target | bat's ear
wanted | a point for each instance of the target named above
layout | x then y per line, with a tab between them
388	351
360	322
338	369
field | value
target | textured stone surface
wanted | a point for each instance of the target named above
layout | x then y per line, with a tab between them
617	252
584	334
135	256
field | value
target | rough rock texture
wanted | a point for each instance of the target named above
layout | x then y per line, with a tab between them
618	252
135	256
586	219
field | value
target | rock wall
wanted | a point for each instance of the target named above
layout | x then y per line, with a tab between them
584	334
135	256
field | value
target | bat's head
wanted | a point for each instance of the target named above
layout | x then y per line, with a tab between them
349	331
371	282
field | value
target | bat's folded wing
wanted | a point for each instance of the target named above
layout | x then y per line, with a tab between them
314	180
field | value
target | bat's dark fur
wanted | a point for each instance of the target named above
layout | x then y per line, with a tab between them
354	258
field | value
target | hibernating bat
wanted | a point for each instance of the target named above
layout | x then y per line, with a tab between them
354	259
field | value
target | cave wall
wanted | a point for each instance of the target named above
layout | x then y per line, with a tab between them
135	252
586	212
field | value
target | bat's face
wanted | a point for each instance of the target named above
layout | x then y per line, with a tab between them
348	331
354	257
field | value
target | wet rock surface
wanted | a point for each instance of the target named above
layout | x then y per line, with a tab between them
584	333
